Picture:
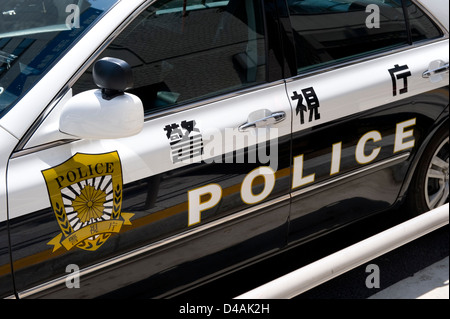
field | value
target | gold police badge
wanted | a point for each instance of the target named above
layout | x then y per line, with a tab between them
86	196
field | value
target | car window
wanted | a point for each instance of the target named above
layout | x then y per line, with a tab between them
183	51
331	31
36	33
422	27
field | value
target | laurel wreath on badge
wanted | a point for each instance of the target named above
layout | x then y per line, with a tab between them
86	196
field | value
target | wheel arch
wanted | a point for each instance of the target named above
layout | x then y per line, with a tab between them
441	123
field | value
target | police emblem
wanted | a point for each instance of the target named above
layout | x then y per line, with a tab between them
86	196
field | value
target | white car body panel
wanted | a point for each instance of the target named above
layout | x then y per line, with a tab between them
6	146
140	156
358	92
438	8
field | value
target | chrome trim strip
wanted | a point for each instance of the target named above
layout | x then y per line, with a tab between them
150	247
38	122
429	73
42	147
379	165
21	150
218	98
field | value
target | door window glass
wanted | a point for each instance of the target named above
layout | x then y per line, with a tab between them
181	51
328	31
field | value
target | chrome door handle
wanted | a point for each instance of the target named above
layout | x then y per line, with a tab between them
273	118
438	70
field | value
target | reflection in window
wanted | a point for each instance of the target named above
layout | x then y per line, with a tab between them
181	51
332	31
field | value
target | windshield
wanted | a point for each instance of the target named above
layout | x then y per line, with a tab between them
36	33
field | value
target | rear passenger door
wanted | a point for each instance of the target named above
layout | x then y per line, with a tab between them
361	106
203	187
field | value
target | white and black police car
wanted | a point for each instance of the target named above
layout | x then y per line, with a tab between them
157	144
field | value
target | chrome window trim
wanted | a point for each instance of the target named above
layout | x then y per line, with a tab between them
31	150
219	98
22	151
368	58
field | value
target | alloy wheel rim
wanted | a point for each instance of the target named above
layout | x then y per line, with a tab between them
437	177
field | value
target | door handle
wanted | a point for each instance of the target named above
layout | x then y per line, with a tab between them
436	70
267	119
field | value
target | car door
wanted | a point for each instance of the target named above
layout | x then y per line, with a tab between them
361	105
204	186
33	37
6	280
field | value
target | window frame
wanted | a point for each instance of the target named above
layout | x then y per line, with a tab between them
274	73
274	77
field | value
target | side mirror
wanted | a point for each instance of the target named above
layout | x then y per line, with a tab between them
107	112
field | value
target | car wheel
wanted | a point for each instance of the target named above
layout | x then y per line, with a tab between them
429	188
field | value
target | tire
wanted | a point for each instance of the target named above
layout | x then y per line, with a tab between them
429	188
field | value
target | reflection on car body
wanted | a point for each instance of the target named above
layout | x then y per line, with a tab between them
156	145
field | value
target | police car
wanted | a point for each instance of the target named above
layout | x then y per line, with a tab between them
160	144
